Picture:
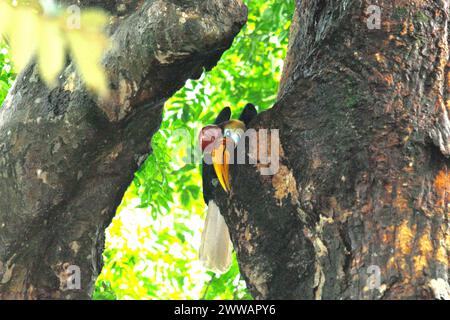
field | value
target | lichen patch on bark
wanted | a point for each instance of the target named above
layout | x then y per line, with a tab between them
258	279
442	187
405	238
425	252
285	185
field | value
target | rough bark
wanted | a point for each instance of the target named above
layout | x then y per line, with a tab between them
66	158
364	181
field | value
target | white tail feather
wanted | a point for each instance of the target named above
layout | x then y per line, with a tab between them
215	248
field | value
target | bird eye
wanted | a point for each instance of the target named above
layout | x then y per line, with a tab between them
227	133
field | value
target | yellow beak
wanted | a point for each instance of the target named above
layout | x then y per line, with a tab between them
221	159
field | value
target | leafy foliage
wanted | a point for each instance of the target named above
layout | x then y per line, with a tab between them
153	241
7	74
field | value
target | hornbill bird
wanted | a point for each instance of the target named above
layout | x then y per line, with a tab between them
217	141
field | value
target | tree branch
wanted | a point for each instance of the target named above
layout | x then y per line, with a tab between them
67	158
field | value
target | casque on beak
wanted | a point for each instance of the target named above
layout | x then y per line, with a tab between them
220	141
221	160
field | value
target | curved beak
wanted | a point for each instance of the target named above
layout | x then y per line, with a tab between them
221	159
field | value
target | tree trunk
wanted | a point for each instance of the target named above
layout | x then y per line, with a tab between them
66	158
360	206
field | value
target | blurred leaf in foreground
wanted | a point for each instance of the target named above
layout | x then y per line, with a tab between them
51	35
